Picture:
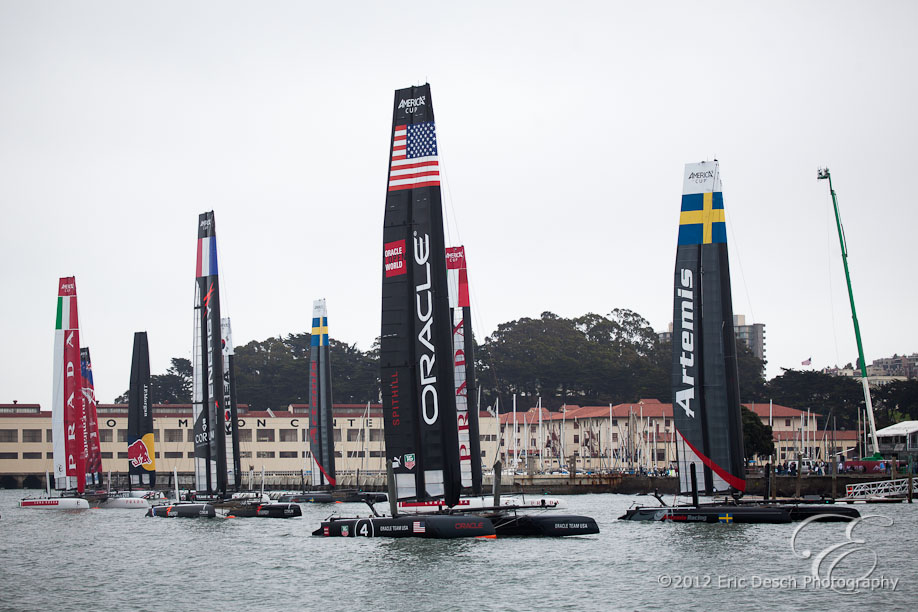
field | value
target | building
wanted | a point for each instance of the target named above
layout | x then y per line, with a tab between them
900	440
753	335
273	441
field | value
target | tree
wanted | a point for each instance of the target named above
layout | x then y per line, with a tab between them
820	393
757	437
173	387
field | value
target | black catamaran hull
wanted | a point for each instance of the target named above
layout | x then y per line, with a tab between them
183	511
332	497
271	510
780	513
545	525
438	527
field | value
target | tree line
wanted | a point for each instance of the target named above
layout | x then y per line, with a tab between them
588	360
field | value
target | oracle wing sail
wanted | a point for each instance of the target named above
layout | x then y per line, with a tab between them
464	369
94	459
207	364
230	411
68	410
419	408
321	420
706	405
141	452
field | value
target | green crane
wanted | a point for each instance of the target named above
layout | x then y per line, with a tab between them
823	173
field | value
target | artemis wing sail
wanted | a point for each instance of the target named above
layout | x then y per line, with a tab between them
141	454
321	420
418	392
706	408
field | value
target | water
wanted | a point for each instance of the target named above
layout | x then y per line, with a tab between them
120	560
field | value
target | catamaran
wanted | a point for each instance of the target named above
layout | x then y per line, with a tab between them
68	410
427	432
705	384
213	403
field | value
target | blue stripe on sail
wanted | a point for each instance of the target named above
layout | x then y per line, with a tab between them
719	233
717	200
691	234
693	201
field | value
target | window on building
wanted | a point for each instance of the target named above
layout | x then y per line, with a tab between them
245	454
337	435
502	442
787	422
353	454
156	435
482	454
288	435
576	438
661	455
376	435
353	435
576	425
9	455
32	455
105	435
190	454
532	442
265	454
307	454
104	455
289	454
666	424
377	453
265	435
122	455
174	454
9	435
122	436
31	435
245	435
189	435
615	422
173	435
49	435
51	455
338	454
156	454
615	436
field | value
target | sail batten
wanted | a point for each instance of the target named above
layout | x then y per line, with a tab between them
417	376
706	406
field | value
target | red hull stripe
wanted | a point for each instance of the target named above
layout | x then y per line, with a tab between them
737	483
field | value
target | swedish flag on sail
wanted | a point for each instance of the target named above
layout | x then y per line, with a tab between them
702	219
320	331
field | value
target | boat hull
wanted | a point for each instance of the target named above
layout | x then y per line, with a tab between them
711	514
331	497
544	525
438	527
270	510
183	511
123	503
55	503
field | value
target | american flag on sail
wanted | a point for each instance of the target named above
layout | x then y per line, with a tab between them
414	157
418	527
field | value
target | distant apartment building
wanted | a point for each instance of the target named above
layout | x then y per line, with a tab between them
753	335
883	370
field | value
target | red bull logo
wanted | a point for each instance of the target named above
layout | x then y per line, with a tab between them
138	454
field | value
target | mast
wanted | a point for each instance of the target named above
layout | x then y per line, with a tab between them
823	173
230	410
141	453
706	405
207	395
68	411
419	407
321	419
94	460
464	369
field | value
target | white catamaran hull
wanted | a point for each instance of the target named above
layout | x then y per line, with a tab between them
55	503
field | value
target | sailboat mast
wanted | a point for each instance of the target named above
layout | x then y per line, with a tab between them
824	173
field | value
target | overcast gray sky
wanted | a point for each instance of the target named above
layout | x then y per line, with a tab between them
563	129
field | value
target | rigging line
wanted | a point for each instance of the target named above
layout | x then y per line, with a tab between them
739	260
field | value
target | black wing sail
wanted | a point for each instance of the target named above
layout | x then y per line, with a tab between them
141	454
207	394
321	419
415	343
706	408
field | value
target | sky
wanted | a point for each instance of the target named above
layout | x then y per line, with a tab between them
563	129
